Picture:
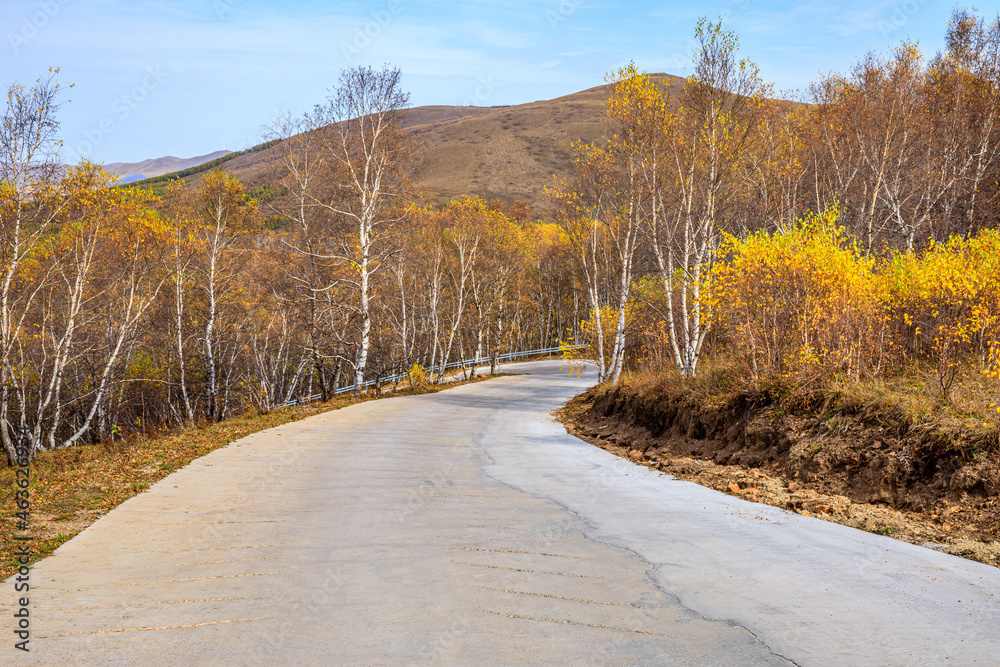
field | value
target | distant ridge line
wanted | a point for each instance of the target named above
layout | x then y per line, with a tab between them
205	166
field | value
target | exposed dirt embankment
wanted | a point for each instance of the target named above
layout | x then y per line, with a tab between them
863	467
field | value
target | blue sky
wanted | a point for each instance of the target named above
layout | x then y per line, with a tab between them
157	78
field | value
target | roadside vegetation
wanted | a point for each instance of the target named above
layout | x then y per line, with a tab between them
123	314
806	287
846	235
829	256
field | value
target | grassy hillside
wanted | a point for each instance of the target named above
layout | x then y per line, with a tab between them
496	152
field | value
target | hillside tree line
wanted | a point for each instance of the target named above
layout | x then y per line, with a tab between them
123	313
847	232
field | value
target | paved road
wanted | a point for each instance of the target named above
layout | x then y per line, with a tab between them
466	527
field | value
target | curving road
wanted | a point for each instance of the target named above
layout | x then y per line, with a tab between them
465	527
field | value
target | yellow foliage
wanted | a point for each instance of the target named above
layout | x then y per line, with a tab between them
801	301
807	302
948	300
608	321
418	376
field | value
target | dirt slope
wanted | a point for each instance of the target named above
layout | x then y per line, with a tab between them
870	470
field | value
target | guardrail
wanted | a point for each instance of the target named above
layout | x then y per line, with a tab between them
464	363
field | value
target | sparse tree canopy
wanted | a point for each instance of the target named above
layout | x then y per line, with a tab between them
847	237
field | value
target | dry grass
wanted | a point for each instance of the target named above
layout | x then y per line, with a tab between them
910	395
74	487
917	397
495	152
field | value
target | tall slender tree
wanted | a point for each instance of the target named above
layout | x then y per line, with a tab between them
370	159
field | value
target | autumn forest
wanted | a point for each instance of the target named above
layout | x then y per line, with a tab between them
846	233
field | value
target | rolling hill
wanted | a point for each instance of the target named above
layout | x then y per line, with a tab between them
507	152
133	171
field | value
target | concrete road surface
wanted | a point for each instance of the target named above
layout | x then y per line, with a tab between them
467	528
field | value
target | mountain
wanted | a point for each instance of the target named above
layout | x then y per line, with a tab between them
506	152
133	171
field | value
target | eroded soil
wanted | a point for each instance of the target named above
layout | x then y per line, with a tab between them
865	471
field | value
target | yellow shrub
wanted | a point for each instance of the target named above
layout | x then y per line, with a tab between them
609	321
948	302
418	376
803	301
